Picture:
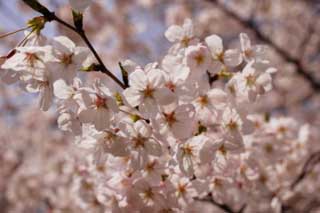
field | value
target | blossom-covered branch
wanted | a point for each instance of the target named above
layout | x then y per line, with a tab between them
185	128
50	16
250	24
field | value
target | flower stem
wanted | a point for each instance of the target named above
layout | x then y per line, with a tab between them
14	32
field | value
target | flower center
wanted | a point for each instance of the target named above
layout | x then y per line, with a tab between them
232	125
217	183
199	59
170	86
203	100
187	150
150	166
100	102
282	129
232	89
181	189
139	141
185	41
250	80
248	53
268	148
66	59
31	58
223	150
148	194
148	92
220	57
170	118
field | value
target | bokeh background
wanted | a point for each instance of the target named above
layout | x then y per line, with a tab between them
36	159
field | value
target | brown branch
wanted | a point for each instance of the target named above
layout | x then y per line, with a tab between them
307	167
209	199
250	24
224	207
306	39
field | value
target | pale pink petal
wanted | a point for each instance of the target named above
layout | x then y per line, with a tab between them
133	97
164	96
156	78
232	57
46	96
174	33
215	44
245	42
62	90
138	79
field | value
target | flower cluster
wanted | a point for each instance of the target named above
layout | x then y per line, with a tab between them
182	130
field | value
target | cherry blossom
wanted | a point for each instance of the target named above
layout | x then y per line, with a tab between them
147	91
178	131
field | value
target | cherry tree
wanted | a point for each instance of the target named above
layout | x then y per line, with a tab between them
179	134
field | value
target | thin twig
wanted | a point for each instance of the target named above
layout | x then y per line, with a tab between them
307	167
248	23
209	199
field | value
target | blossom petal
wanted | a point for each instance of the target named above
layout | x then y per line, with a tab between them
174	33
138	79
232	57
215	44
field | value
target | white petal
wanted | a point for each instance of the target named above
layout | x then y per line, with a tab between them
45	98
156	78
216	66
164	96
63	44
86	115
260	51
188	28
112	105
62	90
129	66
138	79
9	77
265	80
133	97
149	108
153	148
80	55
271	70
217	97
174	33
245	42
101	119
143	128
186	166
232	57
215	44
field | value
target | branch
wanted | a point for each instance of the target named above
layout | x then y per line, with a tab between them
248	23
50	16
224	207
307	167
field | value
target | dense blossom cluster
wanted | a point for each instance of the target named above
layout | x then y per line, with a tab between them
176	134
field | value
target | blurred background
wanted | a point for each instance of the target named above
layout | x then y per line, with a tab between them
33	153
